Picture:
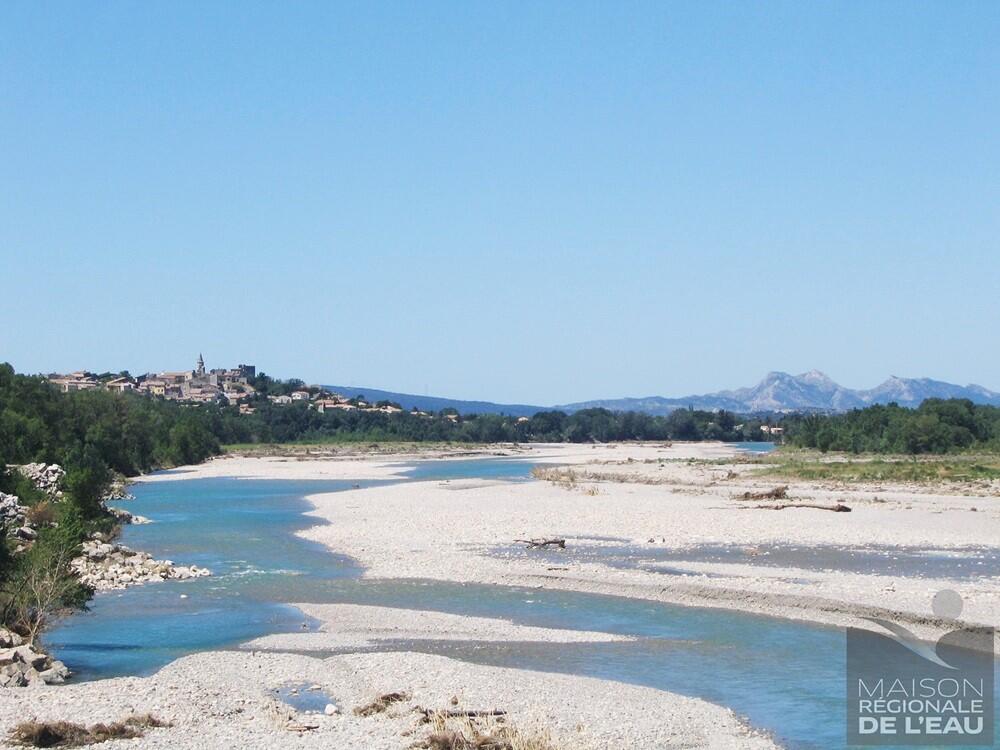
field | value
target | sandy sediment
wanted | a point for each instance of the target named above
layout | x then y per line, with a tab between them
227	700
348	463
359	626
279	468
655	497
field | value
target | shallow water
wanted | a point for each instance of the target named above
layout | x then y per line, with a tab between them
303	697
963	563
754	446
787	677
243	531
505	467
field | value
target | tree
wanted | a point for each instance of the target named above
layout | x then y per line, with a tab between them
87	480
41	587
6	558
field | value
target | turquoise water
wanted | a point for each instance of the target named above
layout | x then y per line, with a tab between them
242	530
784	676
512	468
754	446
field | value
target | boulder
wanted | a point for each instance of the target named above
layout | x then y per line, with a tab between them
14	678
12	513
27	655
46	477
59	667
106	567
23	665
52	677
9	639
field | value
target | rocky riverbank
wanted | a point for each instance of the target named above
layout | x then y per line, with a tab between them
46	477
14	518
22	664
107	566
102	565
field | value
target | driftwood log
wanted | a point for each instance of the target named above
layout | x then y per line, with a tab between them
537	543
837	508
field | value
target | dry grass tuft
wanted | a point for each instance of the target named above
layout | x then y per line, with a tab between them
778	493
68	734
481	733
381	703
570	478
558	475
41	514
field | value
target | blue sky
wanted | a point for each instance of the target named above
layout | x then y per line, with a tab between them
520	202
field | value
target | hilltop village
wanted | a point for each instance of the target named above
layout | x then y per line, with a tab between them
235	385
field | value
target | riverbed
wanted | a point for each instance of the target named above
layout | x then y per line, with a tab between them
786	677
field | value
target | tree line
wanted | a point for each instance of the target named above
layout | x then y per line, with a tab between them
936	426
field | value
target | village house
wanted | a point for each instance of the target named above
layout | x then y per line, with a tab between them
238	390
76	381
120	385
328	404
241	374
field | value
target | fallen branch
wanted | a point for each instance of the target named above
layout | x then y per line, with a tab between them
837	508
536	543
296	727
430	713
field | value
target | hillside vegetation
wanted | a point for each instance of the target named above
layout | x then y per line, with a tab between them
936	426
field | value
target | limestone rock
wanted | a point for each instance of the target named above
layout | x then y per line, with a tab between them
23	665
9	639
123	516
12	513
106	566
46	477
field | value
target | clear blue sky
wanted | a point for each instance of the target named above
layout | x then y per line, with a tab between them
535	202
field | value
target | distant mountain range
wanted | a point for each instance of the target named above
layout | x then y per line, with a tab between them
777	392
810	391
